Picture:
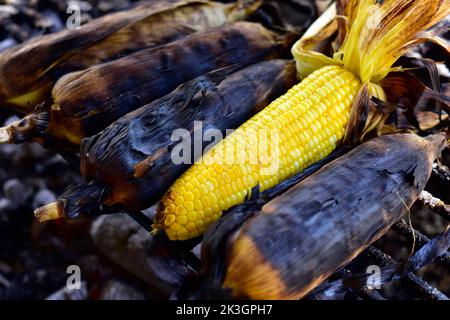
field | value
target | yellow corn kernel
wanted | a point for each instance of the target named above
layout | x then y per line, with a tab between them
303	127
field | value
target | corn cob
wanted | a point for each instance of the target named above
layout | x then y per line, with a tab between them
28	71
86	102
129	166
310	116
332	102
323	224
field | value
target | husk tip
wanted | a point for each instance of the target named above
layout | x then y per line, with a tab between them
5	136
52	211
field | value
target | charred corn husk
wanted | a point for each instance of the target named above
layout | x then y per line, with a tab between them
28	71
300	238
332	103
129	165
86	102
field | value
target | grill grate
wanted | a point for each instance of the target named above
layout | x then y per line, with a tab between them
411	280
416	283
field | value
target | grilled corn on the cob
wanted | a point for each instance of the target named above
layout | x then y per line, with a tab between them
310	120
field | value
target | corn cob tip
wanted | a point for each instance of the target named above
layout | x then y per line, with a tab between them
52	211
77	201
5	136
24	129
